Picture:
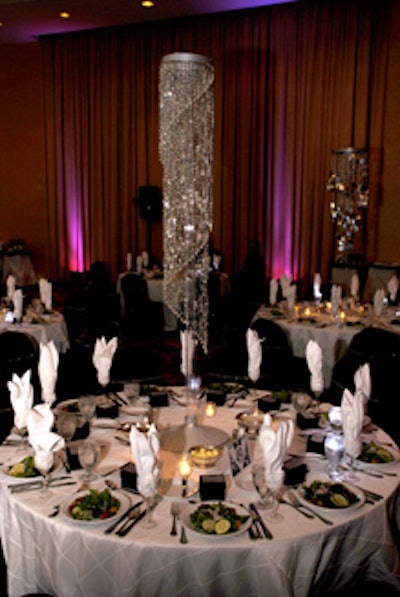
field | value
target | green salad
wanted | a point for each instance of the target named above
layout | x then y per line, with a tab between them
25	468
329	495
217	519
95	505
375	454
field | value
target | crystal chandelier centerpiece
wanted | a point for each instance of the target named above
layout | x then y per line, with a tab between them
186	153
348	182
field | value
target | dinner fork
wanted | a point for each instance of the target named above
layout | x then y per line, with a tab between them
297	504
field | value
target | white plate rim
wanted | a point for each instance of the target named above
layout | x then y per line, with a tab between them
119	494
242	511
358	492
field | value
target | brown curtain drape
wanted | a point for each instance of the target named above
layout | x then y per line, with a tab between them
292	83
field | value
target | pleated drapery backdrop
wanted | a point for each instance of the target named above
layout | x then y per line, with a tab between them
292	83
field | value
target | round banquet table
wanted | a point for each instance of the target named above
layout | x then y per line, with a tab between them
333	339
66	559
52	328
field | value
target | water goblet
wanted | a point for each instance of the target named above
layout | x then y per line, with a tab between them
44	460
87	407
260	483
149	497
334	451
88	454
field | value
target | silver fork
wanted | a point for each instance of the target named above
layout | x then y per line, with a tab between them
289	503
297	504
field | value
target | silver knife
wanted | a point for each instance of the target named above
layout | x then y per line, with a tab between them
23	488
265	529
38	481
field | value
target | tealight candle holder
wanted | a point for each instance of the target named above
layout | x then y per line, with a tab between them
184	469
211	409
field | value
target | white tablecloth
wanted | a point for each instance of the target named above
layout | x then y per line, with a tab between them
54	328
333	339
62	558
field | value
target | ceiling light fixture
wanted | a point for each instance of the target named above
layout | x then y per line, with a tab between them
63	14
147	3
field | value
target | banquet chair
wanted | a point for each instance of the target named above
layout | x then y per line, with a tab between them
280	369
136	364
381	349
18	353
142	318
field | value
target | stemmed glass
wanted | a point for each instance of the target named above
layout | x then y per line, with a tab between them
334	451
260	483
269	492
44	460
66	426
148	521
88	454
87	407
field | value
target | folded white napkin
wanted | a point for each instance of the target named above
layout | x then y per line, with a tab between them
314	362
274	445
379	299
145	452
285	284
139	263
291	297
46	293
145	257
317	287
393	287
187	353
40	419
44	446
273	292
352	420
48	369
18	304
10	282
354	286
128	262
103	355
254	351
336	295
21	396
362	381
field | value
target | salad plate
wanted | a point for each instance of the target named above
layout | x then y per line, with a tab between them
102	507
24	469
215	519
330	496
377	457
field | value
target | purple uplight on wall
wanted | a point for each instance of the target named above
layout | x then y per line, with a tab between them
76	260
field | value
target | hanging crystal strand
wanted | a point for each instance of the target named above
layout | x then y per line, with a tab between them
186	153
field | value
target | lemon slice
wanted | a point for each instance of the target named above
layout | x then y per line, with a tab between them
208	525
222	526
339	500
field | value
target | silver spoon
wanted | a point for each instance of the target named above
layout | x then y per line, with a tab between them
175	509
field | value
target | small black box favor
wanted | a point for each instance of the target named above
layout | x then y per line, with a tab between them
129	476
158	399
212	487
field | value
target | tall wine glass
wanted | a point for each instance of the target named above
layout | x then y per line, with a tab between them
66	424
260	483
87	407
44	460
88	454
